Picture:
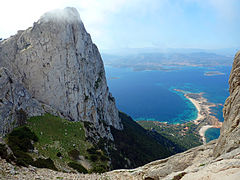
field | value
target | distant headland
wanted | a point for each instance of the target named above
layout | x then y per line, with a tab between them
204	120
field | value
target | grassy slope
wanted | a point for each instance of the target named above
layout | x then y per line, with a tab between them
184	138
133	147
58	137
139	145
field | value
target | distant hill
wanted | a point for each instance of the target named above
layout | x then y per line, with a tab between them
166	61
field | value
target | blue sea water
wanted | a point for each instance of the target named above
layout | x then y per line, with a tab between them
149	95
211	134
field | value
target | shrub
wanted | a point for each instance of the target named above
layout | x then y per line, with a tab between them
21	117
104	158
88	125
59	154
20	139
74	154
92	150
78	167
3	151
22	158
45	163
99	169
4	154
93	157
97	82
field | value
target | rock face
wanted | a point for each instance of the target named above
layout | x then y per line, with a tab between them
58	64
230	131
16	104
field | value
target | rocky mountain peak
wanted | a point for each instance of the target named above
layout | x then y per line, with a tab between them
68	14
56	61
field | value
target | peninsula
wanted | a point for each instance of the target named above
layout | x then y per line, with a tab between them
205	119
192	133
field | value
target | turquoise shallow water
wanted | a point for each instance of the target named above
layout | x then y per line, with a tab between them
149	95
211	134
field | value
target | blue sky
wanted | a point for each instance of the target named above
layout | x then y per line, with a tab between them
114	24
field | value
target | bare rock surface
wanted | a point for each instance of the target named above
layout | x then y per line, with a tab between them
16	103
230	132
58	64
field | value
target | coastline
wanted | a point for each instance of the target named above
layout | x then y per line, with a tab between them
204	118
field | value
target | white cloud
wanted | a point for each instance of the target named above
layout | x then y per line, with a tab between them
20	14
99	16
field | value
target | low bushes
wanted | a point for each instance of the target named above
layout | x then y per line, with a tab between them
78	167
45	163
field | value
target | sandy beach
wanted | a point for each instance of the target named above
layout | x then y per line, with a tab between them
204	111
198	107
204	119
202	132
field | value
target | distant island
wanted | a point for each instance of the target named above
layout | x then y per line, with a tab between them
114	77
213	73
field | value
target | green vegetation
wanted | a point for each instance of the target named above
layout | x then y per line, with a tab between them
21	117
4	154
77	167
134	144
74	154
62	138
19	140
61	142
100	168
3	151
184	135
97	82
45	163
58	136
99	79
51	142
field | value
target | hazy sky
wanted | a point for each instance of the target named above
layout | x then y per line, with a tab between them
113	24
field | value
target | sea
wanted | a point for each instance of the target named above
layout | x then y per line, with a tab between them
150	95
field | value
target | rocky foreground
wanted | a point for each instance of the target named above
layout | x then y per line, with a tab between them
197	163
216	160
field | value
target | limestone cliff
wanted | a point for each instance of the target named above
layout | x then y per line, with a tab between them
230	131
57	63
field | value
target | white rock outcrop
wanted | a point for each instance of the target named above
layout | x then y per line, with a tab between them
16	104
58	64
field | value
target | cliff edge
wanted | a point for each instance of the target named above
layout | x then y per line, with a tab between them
230	131
57	63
